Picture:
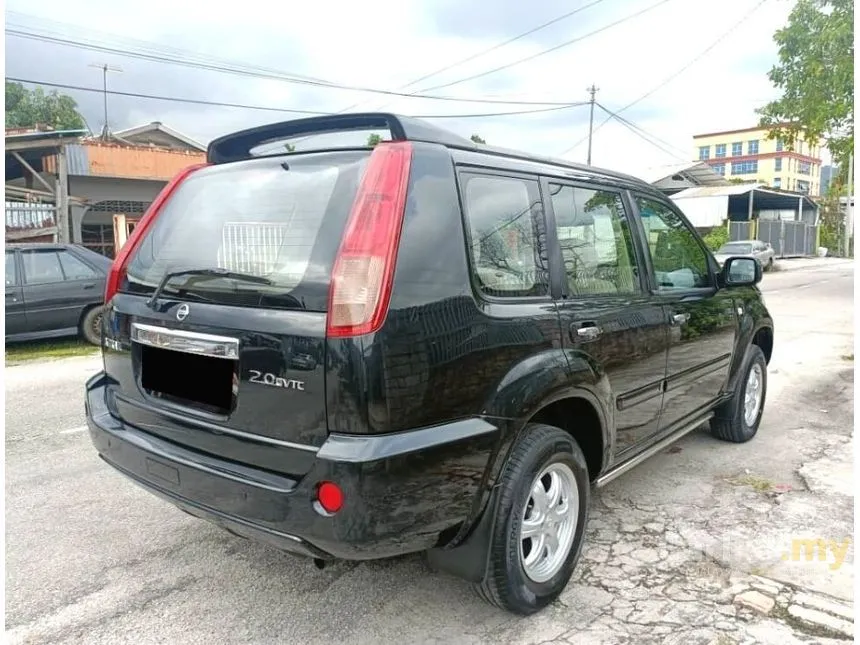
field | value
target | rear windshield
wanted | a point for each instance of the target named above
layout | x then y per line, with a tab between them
279	219
728	249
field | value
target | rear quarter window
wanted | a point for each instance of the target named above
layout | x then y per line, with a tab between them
506	231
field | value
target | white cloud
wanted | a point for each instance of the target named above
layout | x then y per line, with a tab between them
388	43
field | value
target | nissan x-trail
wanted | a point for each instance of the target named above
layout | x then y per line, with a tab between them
425	345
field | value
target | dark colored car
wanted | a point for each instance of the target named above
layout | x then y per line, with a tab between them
54	290
491	334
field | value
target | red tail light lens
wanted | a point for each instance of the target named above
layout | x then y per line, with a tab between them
330	497
117	270
364	268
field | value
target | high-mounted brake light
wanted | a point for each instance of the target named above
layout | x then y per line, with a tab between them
364	268
117	270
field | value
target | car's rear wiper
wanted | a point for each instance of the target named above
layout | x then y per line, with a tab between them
213	273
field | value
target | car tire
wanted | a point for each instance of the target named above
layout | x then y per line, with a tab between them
738	420
514	579
91	325
769	266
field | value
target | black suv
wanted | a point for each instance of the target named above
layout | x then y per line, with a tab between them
427	345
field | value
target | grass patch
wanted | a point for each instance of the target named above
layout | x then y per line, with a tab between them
759	484
848	357
46	350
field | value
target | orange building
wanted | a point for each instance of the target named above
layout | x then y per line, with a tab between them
97	187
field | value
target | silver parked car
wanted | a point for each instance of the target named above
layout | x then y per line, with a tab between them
761	251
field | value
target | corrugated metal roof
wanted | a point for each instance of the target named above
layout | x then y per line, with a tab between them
698	172
47	136
716	191
765	198
77	160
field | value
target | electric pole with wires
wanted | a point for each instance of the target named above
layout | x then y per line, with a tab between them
105	69
591	90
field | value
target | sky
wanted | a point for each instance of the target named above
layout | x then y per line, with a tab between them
388	44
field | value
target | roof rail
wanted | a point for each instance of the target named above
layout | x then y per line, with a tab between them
238	146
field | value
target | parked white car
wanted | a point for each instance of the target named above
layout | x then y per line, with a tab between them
761	251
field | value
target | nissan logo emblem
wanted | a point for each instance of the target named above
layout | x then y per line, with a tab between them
182	313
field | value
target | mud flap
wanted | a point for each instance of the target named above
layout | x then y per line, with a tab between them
468	560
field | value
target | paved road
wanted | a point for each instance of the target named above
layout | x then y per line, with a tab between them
92	559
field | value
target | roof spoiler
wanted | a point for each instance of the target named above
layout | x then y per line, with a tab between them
238	146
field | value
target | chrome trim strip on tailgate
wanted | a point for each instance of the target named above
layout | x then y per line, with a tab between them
186	341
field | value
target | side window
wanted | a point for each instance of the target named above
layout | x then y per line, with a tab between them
41	267
75	269
507	240
11	269
678	259
595	239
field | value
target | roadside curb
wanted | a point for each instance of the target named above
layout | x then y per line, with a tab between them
799	264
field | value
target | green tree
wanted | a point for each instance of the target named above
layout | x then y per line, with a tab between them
815	74
832	218
477	139
716	237
25	108
373	140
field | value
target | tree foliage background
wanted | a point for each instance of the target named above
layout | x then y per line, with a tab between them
816	76
25	108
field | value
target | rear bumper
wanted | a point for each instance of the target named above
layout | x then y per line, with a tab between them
402	491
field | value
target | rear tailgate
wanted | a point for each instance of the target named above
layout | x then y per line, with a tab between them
229	365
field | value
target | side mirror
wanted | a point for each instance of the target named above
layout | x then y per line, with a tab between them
741	272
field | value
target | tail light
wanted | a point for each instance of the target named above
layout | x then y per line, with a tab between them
117	270
364	269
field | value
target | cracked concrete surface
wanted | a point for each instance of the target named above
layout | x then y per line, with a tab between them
693	546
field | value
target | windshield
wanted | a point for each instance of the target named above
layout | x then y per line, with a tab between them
277	219
735	249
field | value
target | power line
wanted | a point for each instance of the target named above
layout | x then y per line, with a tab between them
617	116
547	51
282	110
643	134
262	73
484	52
141	44
673	76
698	57
505	43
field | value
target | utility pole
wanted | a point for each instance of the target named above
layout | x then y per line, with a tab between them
105	69
849	207
591	90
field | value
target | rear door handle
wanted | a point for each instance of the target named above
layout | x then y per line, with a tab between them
585	331
680	319
90	285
